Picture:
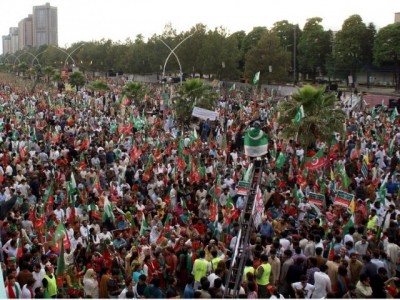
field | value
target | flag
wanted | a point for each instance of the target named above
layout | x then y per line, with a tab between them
256	77
345	178
298	194
108	211
61	261
394	115
382	190
143	226
315	162
349	224
59	233
232	88
299	116
280	161
255	142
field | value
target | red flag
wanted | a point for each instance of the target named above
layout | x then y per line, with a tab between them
315	162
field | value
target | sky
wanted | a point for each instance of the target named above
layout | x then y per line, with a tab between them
88	20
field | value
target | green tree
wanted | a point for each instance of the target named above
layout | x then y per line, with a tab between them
99	86
135	91
49	72
192	93
386	51
352	47
313	47
322	119
268	57
76	79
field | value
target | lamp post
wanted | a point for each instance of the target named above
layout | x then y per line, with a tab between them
176	56
69	55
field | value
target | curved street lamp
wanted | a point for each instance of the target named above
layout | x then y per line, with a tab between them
68	54
173	52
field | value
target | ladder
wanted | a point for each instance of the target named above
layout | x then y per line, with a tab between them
241	253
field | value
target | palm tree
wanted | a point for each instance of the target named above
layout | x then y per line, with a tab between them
135	91
193	93
77	79
321	118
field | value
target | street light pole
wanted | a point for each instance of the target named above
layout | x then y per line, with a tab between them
173	52
294	55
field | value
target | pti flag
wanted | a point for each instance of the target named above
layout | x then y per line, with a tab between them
255	142
343	199
316	162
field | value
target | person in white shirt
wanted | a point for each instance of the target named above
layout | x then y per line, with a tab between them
38	273
27	290
307	288
322	283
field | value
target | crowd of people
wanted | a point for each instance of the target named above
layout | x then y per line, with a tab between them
103	199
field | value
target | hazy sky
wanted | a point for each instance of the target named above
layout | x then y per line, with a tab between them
86	20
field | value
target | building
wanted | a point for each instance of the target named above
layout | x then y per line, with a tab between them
397	17
45	25
6	42
25	33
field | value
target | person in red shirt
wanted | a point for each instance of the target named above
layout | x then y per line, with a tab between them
200	227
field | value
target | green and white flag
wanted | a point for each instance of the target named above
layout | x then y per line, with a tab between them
256	77
299	115
108	211
255	142
232	88
394	115
280	160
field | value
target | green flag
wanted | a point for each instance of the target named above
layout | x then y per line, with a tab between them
108	211
394	115
143	226
299	115
61	260
345	178
59	233
280	161
255	142
232	88
256	77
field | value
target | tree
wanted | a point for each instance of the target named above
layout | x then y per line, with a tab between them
135	91
192	93
321	118
99	86
352	46
386	50
49	72
76	79
313	47
268	57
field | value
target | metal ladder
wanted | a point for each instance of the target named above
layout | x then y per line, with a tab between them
241	253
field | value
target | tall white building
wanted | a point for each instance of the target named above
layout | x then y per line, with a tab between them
397	17
45	25
25	33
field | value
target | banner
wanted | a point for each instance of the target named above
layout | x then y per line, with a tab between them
204	114
343	199
317	199
242	188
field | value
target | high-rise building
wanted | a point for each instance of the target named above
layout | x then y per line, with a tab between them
45	25
397	17
25	33
6	42
13	39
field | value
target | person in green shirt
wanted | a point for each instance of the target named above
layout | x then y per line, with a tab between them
263	273
201	268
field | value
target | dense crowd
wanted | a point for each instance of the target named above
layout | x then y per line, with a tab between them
103	199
